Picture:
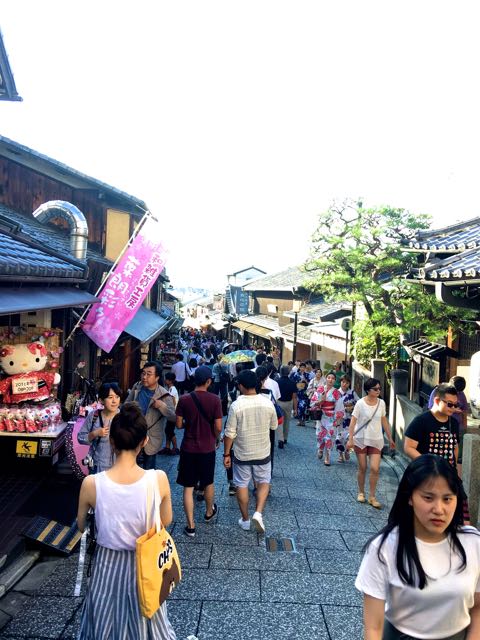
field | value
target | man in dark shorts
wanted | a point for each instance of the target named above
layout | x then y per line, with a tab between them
435	431
200	414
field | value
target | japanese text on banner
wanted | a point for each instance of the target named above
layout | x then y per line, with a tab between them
126	287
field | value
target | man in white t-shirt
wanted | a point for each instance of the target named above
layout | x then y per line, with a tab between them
182	373
248	426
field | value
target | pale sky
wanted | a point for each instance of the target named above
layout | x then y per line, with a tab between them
239	122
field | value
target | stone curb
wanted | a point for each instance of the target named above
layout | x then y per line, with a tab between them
14	572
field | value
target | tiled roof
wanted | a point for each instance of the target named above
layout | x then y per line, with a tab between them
455	238
236	273
25	156
286	280
303	333
317	310
19	260
27	227
463	266
261	320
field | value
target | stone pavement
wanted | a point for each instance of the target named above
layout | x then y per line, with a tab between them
232	586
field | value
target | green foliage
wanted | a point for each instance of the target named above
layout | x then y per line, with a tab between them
359	256
365	342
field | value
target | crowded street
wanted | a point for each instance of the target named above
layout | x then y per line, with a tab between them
232	587
239	321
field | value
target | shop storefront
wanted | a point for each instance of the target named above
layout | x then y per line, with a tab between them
32	425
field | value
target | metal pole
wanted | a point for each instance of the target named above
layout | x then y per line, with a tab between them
294	353
346	352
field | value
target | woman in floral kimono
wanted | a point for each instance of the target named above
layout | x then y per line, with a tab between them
328	400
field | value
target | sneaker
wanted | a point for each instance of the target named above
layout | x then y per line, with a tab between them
189	532
232	490
257	522
280	444
245	524
213	516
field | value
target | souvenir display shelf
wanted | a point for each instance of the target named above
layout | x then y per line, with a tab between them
41	447
53	432
31	427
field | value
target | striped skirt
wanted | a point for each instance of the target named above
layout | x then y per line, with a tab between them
111	610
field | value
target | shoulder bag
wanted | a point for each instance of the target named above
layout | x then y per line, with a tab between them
158	565
277	407
204	416
365	424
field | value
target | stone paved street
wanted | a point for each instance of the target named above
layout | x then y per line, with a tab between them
232	587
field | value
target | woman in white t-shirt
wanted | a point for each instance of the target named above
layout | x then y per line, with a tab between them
366	437
420	576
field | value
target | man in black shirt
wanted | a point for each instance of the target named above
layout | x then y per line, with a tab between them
435	431
287	401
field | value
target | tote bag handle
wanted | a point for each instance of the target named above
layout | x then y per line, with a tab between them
153	495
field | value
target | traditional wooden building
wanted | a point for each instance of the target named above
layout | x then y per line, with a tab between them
30	179
449	268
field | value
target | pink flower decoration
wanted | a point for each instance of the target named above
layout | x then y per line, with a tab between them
37	346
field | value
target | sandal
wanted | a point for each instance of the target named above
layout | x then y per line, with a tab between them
361	497
373	502
327	460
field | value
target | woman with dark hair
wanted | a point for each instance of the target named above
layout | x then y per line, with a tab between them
119	497
420	576
96	428
369	417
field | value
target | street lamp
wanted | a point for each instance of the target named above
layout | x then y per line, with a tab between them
297	305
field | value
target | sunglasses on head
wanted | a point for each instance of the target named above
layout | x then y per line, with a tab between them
452	405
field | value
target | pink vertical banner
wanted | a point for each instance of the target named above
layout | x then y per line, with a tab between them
126	287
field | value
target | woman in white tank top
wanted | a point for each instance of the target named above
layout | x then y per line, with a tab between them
119	497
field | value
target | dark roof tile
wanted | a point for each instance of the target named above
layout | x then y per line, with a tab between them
21	260
454	238
44	235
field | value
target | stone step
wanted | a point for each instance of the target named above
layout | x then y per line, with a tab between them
16	570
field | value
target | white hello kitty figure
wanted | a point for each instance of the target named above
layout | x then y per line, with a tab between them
24	364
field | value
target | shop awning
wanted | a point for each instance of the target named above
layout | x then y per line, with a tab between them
23	299
256	330
146	325
240	324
